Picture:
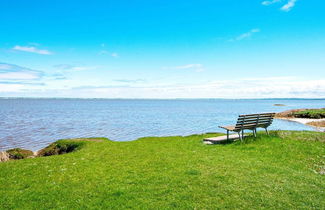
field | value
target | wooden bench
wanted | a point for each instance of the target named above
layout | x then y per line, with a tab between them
250	122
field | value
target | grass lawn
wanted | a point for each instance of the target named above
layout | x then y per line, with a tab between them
281	171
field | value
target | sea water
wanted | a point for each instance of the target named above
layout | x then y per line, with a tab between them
35	123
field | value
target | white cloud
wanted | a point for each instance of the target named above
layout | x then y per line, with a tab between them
74	68
105	52
246	35
267	3
288	6
83	68
14	72
31	50
115	55
130	80
18	76
196	67
188	66
10	88
276	87
4	66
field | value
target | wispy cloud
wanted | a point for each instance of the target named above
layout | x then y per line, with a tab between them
196	67
246	35
288	6
99	88
105	52
189	66
130	80
115	55
57	76
5	66
31	49
74	68
9	72
267	3
275	87
22	83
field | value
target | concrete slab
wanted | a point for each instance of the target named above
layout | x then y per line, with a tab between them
221	139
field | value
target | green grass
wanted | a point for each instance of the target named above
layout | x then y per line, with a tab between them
281	171
18	153
311	113
60	147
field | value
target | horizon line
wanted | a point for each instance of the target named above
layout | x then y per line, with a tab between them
98	98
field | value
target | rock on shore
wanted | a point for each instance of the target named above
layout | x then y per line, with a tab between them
4	156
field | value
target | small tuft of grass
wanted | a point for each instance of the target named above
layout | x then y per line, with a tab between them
117	193
60	147
193	172
18	153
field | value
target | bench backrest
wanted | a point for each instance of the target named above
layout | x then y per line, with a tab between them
252	121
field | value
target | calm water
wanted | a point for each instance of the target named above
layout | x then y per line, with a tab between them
34	123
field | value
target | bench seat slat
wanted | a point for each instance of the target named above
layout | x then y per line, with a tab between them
251	125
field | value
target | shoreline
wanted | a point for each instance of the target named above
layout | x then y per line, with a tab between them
305	121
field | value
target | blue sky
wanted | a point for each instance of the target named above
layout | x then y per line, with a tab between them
162	49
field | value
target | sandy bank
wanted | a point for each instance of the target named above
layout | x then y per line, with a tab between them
306	121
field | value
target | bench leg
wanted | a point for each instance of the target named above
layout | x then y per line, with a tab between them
227	135
254	132
242	134
267	132
240	137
